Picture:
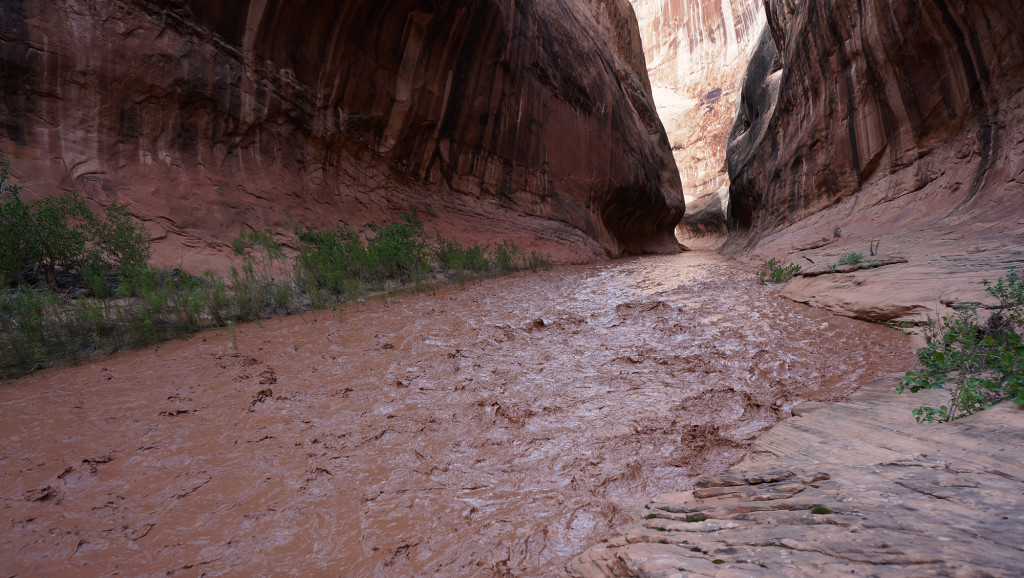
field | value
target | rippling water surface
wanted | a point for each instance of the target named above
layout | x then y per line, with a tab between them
498	428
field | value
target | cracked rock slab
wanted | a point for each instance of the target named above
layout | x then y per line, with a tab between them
854	488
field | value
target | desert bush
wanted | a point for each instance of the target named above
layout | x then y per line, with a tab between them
259	288
121	243
482	260
60	233
397	251
331	261
536	261
23	342
772	271
255	296
451	256
17	245
978	363
338	264
851	259
57	234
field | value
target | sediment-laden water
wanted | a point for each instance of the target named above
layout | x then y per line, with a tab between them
497	428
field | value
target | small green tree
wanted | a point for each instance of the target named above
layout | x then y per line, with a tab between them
121	241
18	241
61	229
60	233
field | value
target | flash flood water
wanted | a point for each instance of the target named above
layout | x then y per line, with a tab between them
497	428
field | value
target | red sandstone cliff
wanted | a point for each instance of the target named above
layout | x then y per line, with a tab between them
898	122
696	53
529	121
884	127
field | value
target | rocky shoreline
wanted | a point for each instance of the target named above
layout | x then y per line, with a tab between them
901	499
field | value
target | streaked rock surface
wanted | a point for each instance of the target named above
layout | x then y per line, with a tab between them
531	121
890	123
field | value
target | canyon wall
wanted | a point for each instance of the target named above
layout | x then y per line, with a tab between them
697	51
893	125
531	121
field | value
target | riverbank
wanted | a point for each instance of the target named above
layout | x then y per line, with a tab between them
905	499
499	427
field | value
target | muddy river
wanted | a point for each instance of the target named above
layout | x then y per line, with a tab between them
493	429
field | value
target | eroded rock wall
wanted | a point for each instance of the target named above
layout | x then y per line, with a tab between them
531	121
893	122
848	94
696	53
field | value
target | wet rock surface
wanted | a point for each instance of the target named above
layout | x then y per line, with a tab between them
501	427
531	122
851	488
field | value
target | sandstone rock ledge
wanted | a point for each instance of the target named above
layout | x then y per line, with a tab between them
906	499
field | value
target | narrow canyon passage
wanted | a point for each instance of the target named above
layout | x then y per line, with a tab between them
497	428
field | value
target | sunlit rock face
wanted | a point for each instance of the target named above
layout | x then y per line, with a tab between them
526	121
697	51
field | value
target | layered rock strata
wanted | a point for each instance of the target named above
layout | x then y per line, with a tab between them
528	121
696	53
851	488
888	124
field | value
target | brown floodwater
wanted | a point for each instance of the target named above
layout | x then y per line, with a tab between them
494	429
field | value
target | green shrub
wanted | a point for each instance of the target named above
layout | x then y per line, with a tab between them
217	303
23	342
536	261
60	233
478	260
851	259
452	257
331	261
979	364
398	251
62	227
505	255
256	296
774	272
339	264
18	240
260	287
122	243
